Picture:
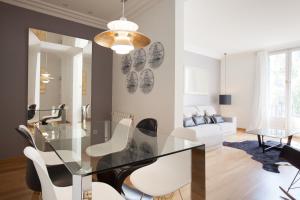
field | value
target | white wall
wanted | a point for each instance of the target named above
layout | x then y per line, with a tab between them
212	83
66	84
158	23
34	57
240	81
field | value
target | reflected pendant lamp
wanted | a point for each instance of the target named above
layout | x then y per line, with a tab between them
45	76
122	36
225	99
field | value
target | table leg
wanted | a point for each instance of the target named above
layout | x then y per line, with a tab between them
259	140
81	185
198	185
289	140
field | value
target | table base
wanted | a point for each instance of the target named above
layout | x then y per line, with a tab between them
269	145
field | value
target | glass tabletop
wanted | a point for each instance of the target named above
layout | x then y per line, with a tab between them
106	145
275	133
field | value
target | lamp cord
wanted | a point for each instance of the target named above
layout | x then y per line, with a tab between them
123	11
225	54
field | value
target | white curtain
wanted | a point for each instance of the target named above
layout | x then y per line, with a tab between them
260	115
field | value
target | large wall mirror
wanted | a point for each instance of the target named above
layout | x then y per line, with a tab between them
59	78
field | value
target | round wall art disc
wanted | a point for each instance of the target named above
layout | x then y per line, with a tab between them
146	81
139	59
156	54
126	63
132	82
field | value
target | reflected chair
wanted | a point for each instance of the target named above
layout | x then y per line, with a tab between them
31	111
55	117
85	115
59	174
86	111
292	156
166	175
52	192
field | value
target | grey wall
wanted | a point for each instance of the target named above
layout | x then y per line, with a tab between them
14	24
213	67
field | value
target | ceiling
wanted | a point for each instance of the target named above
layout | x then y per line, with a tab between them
90	12
103	9
213	27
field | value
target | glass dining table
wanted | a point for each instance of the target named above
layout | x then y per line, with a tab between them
103	146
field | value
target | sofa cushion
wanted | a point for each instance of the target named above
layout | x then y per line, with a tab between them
189	111
199	120
208	119
188	122
217	119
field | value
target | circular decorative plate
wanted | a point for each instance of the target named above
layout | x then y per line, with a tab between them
132	82
139	59
126	63
156	54
146	81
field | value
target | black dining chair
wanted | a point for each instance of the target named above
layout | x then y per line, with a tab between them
59	174
148	127
292	156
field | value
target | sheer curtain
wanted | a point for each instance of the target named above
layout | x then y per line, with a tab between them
260	116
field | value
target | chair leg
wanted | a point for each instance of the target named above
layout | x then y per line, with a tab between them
286	193
293	181
180	194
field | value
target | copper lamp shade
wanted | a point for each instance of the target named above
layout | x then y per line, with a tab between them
108	38
122	36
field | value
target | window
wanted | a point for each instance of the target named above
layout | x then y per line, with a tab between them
278	85
285	84
295	83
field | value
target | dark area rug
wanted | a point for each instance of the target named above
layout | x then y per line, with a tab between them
267	159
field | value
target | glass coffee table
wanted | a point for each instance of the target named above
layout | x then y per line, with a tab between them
273	133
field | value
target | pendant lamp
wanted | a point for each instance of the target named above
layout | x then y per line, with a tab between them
225	99
122	36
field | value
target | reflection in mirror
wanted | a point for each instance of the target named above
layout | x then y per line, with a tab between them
59	78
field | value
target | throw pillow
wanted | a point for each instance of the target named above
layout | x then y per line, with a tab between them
188	122
199	120
218	119
209	120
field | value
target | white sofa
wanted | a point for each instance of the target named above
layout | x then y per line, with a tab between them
212	135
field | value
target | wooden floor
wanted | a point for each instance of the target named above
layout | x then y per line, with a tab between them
231	175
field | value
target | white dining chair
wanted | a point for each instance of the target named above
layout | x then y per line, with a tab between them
51	192
168	174
118	141
50	157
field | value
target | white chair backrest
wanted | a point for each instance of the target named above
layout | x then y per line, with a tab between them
118	141
48	191
121	132
27	134
179	162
